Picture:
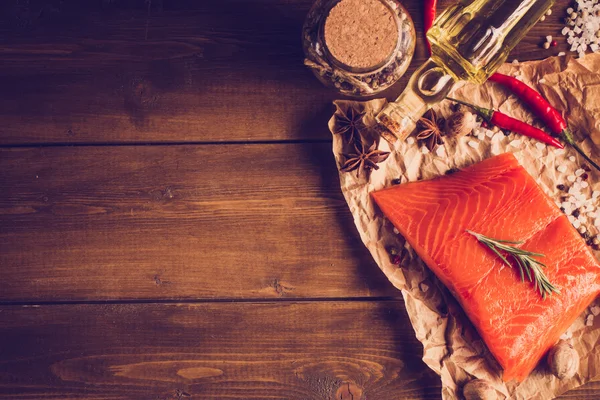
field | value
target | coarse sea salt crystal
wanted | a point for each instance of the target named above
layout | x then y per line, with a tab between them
559	152
540	146
584	184
571	178
562	168
424	150
473	144
410	140
440	151
572	158
515	143
576	224
581	219
589	320
481	136
567	335
562	54
592	214
565	204
489	133
595	194
571	219
579	172
396	231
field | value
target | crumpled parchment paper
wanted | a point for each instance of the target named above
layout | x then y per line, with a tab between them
452	347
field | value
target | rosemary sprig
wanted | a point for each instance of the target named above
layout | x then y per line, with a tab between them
528	266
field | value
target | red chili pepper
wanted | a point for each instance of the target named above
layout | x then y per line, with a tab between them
503	121
429	18
540	107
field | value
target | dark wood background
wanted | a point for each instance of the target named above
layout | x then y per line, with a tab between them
171	220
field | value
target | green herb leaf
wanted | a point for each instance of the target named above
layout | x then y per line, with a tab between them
524	260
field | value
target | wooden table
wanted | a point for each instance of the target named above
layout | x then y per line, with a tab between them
171	220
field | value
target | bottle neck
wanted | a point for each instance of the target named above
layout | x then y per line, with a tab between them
429	85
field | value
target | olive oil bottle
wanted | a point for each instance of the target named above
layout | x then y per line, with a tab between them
469	41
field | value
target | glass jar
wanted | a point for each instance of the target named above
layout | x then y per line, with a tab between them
359	47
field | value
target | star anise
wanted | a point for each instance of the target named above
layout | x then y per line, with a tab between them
349	123
430	131
364	158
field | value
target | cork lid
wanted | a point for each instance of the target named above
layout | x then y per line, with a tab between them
361	34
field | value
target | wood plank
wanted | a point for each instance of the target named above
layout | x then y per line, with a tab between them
178	222
283	350
187	71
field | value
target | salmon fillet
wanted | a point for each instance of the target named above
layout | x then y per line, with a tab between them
499	199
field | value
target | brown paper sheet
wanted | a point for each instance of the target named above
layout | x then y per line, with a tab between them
452	348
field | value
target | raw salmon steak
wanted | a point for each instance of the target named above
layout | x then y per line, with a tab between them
497	198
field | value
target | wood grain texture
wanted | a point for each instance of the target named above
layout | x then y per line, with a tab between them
287	351
179	222
173	71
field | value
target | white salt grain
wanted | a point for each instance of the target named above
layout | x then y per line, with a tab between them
549	38
584	184
396	231
571	178
576	224
572	158
541	146
424	150
592	214
515	143
473	144
562	169
410	140
562	54
571	219
589	321
582	229
440	151
567	335
580	172
595	194
489	133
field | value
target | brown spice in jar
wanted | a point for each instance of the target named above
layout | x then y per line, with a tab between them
361	33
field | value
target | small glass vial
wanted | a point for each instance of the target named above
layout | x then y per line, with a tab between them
360	47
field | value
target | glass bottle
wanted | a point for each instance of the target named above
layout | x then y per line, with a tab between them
469	41
358	79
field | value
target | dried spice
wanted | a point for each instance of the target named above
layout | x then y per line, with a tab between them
460	124
563	360
478	389
349	123
429	130
364	158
